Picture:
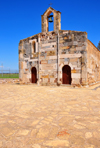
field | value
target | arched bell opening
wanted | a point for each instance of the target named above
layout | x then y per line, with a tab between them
33	75
50	21
66	75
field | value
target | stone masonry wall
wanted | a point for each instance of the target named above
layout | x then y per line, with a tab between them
27	58
53	51
48	58
72	51
93	63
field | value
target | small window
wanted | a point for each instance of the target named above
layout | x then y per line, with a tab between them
34	46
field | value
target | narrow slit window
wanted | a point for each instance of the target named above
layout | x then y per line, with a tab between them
34	47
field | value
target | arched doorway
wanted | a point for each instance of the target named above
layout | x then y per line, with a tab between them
66	75
34	75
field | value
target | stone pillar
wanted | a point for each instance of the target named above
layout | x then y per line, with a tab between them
58	60
21	60
39	59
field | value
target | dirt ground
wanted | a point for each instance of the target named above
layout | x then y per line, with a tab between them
49	117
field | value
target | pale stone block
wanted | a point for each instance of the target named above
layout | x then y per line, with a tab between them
73	67
21	65
52	80
89	70
45	80
28	76
31	60
78	48
66	32
75	81
55	74
55	66
47	49
44	62
27	59
76	75
75	43
70	55
21	55
24	65
60	75
70	64
52	57
30	41
49	44
66	63
47	66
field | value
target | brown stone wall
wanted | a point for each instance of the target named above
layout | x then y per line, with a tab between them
93	63
26	57
53	51
72	51
48	58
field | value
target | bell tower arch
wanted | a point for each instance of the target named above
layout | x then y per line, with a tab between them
45	20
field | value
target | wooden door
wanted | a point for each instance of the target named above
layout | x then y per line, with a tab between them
34	75
66	74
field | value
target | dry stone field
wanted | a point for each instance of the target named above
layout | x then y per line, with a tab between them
33	116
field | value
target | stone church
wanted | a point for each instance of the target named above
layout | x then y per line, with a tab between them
58	57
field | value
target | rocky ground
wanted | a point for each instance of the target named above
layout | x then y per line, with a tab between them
33	116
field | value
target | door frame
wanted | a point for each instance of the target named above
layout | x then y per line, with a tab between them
69	75
32	73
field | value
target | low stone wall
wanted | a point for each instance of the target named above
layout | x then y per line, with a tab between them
9	80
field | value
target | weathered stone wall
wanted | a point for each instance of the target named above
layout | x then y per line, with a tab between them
27	58
72	51
93	63
48	57
53	51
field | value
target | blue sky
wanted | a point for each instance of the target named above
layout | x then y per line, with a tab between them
20	19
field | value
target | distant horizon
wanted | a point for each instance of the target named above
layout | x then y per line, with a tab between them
9	71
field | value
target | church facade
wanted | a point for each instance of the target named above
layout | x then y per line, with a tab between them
58	56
